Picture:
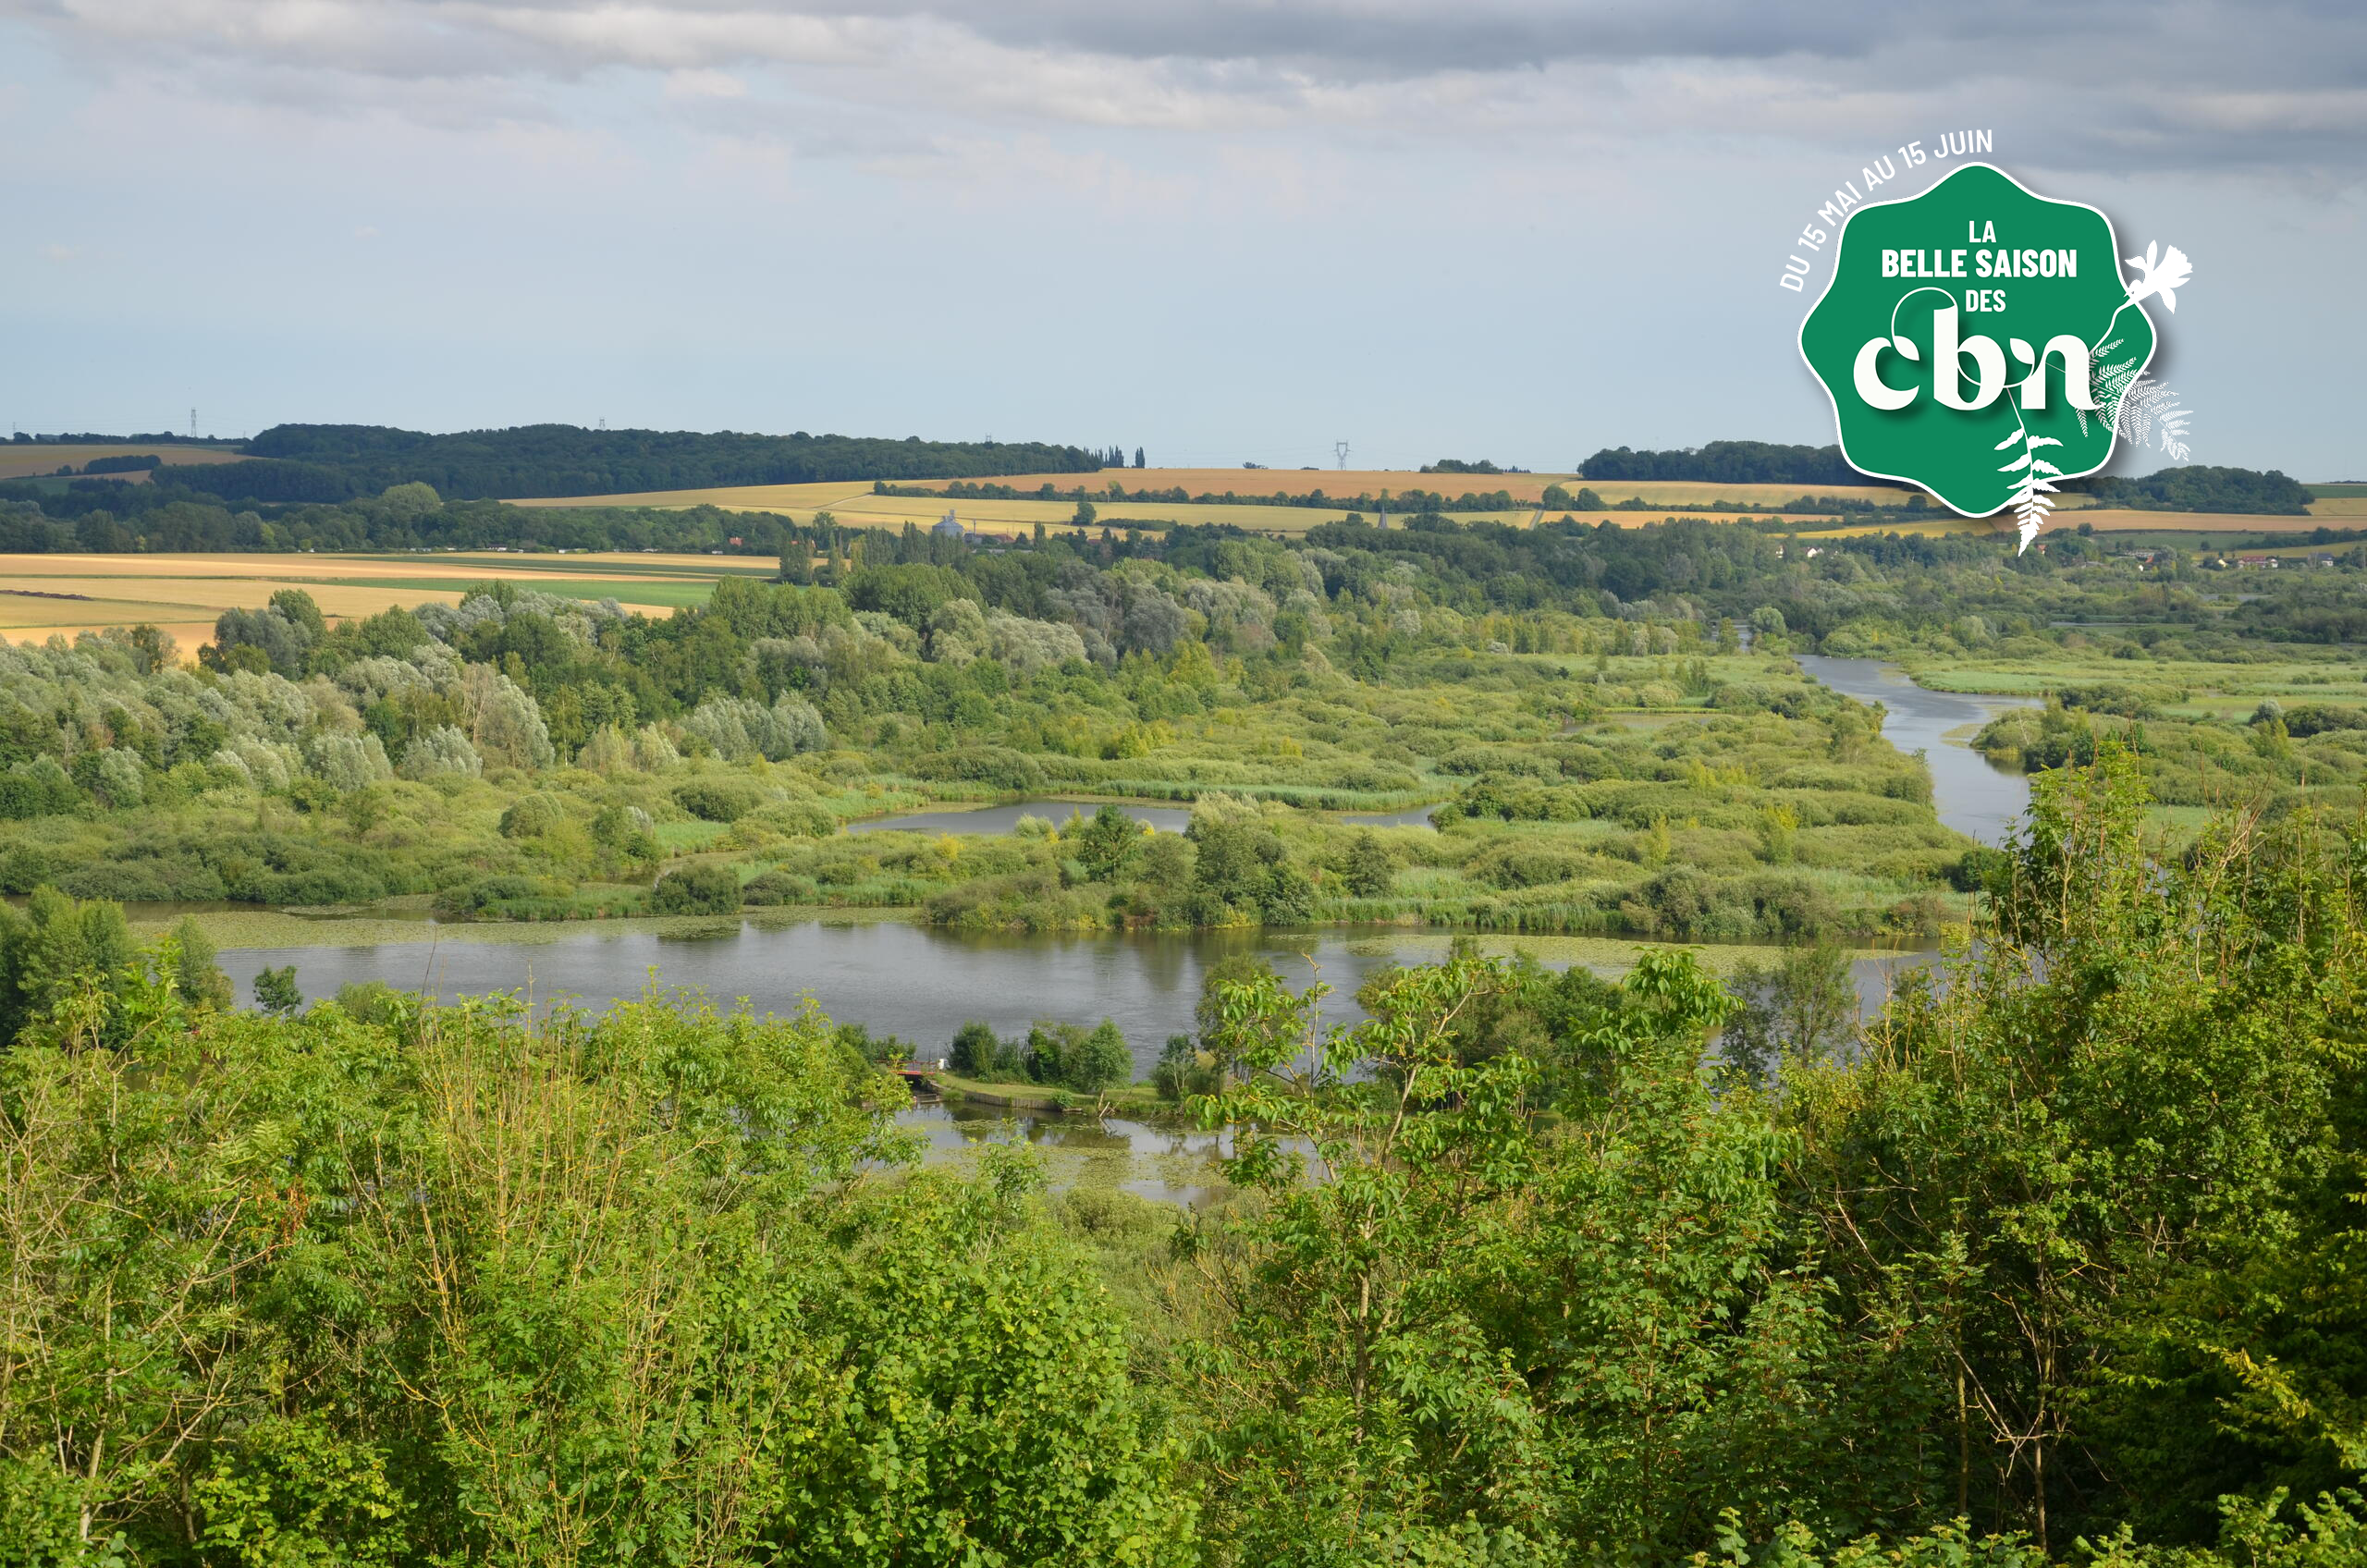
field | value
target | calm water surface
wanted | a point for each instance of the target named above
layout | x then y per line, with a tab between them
916	983
1165	1164
1972	796
911	981
1003	819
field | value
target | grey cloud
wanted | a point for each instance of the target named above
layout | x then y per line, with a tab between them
2206	84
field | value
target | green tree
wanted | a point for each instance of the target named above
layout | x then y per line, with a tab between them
276	990
1105	844
1474	1341
194	973
1370	873
1101	1061
703	888
1790	1015
277	1296
2066	1157
56	942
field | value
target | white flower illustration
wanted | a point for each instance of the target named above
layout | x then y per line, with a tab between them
2159	273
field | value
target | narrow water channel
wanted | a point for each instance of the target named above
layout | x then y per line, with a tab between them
1973	796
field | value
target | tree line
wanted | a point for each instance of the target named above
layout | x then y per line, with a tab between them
339	463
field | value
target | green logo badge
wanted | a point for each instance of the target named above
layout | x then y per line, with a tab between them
1976	341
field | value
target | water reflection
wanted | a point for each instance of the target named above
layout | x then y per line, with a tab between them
1419	817
911	981
1175	1164
1004	818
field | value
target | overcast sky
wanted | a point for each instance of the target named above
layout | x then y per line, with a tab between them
1225	230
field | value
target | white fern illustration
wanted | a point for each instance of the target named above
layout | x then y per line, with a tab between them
2146	407
2030	503
2112	379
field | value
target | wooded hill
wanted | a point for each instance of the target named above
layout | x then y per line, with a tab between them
339	463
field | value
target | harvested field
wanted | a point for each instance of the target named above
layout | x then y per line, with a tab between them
1248	481
856	505
2118	520
798	498
41	597
1006	517
26	461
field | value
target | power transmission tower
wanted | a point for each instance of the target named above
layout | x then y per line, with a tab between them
192	424
1340	449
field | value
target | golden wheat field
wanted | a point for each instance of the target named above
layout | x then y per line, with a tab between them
856	505
801	499
2105	519
26	461
42	596
1284	481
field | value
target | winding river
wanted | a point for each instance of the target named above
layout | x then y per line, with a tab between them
1971	795
921	983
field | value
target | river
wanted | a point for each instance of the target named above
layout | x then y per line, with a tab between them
1973	796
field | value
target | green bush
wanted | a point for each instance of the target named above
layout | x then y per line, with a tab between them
780	887
1524	863
718	800
530	817
704	889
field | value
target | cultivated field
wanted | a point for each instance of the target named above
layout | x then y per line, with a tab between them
856	505
1527	487
26	461
2118	520
41	597
1286	481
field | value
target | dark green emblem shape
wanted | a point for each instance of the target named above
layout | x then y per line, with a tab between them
1975	340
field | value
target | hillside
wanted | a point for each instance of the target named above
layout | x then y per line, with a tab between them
339	463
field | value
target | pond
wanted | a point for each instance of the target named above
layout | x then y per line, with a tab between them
1971	794
1166	1164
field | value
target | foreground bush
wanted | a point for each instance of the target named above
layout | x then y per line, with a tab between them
447	1288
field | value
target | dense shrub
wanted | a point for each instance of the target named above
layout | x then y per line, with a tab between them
780	887
530	816
718	800
703	888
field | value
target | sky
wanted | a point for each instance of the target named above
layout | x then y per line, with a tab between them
1224	231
